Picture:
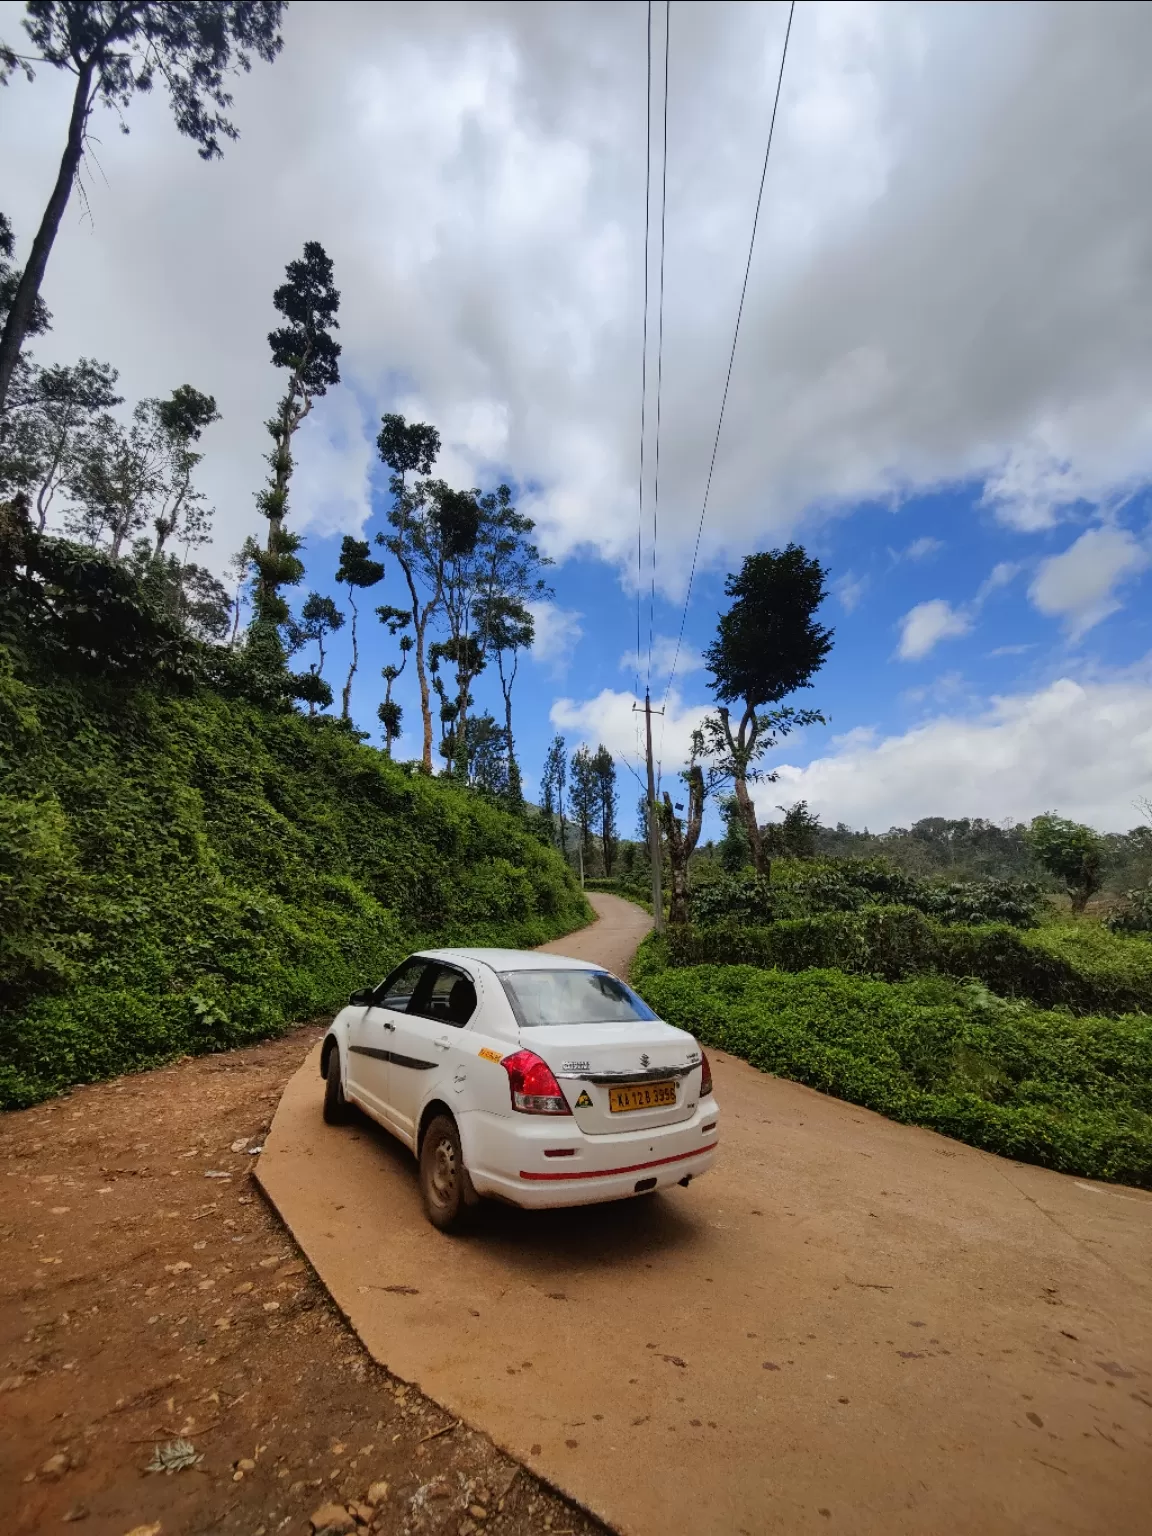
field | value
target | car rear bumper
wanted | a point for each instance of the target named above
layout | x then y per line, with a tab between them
540	1161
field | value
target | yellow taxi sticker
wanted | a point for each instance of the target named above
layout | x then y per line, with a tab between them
491	1055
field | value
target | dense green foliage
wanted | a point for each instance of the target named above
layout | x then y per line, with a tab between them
801	888
1069	1093
1134	914
1070	965
182	871
973	849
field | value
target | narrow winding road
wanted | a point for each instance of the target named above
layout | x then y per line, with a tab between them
848	1325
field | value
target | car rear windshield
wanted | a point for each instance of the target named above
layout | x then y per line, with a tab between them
572	997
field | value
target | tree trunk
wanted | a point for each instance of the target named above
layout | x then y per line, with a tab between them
28	288
760	859
682	842
425	697
347	695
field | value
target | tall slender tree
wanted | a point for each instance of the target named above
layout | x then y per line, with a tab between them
411	448
358	571
115	48
510	629
305	348
682	837
389	712
767	646
182	513
604	768
554	790
51	421
320	618
584	797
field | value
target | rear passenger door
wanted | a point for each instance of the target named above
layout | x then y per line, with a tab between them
372	1035
426	1046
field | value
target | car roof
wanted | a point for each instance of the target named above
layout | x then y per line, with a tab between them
512	959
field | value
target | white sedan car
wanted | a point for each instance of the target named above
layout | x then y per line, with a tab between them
528	1077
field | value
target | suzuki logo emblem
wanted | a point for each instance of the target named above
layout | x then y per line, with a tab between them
644	1061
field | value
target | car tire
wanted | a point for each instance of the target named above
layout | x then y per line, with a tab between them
336	1108
445	1187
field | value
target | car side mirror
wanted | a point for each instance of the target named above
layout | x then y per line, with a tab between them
363	998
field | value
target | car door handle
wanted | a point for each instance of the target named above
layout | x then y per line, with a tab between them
442	1045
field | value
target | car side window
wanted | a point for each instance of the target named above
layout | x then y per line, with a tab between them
396	992
445	995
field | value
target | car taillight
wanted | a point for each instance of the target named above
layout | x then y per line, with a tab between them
705	1076
534	1089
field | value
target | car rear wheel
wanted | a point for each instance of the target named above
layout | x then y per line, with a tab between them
444	1183
335	1104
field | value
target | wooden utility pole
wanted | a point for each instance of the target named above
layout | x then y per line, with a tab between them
654	848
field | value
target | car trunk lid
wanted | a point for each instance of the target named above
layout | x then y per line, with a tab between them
616	1077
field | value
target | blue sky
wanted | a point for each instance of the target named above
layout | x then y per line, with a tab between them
941	386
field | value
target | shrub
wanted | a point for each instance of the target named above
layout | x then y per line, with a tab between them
1072	965
1134	915
800	888
1074	1094
185	872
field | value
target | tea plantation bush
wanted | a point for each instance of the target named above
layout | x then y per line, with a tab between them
1078	966
1069	1093
184	872
805	888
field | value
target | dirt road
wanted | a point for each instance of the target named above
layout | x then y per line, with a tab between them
848	1325
148	1292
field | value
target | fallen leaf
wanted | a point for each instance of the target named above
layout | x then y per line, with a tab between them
174	1456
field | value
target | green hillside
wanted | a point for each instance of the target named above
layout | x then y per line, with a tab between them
182	870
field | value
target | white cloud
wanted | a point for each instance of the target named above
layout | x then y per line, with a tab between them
923	627
999	576
1083	748
926	304
1079	585
665	654
922	549
611	718
850	589
558	633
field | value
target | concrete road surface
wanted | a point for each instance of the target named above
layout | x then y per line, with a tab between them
849	1325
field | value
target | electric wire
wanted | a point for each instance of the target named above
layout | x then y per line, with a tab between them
644	351
660	339
732	354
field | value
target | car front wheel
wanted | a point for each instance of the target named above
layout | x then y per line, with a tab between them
335	1104
443	1177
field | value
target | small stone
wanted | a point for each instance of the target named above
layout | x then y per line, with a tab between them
271	1306
146	1530
55	1467
466	1528
377	1493
333	1518
246	1464
363	1512
75	1511
242	1289
239	1146
178	1268
237	1476
477	1511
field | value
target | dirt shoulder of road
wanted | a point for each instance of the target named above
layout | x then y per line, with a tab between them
150	1294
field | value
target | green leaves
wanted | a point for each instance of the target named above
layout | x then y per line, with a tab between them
1071	852
1072	1094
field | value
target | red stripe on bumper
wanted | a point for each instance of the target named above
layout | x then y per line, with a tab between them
606	1173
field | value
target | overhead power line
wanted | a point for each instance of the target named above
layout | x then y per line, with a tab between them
660	338
732	353
644	346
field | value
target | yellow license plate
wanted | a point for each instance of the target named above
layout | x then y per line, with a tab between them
641	1096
